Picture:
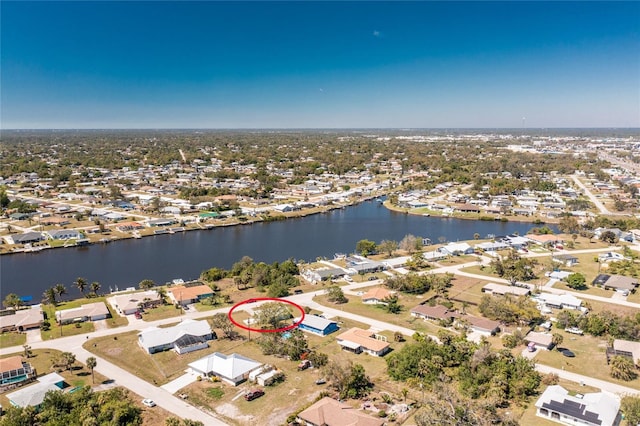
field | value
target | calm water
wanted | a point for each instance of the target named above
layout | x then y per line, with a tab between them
164	257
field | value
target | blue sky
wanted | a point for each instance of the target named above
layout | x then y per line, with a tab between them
318	65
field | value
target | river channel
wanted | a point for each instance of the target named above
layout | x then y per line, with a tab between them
184	255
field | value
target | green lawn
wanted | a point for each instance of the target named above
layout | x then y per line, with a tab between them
57	330
161	312
10	339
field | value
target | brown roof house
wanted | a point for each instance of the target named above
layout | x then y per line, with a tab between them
376	296
14	370
434	313
329	412
357	340
185	295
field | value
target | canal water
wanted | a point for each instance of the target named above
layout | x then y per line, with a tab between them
184	255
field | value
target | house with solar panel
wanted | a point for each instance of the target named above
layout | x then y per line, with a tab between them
591	409
33	396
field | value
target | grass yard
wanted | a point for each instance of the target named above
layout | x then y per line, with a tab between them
590	359
161	312
11	338
595	291
481	270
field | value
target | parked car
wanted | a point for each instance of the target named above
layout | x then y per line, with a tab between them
320	382
253	394
304	365
373	278
568	353
138	315
297	291
149	402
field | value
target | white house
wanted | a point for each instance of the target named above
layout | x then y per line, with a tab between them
64	234
455	249
187	336
87	312
591	409
233	369
560	300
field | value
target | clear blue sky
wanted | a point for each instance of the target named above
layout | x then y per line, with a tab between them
326	64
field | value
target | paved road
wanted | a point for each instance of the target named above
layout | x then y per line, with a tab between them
590	381
599	205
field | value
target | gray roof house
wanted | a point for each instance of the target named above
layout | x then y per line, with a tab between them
27	237
187	336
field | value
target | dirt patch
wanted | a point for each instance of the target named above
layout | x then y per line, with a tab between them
114	351
232	412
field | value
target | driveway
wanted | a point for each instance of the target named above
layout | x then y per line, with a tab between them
182	381
34	336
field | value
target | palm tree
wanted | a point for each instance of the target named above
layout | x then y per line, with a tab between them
91	364
95	286
162	293
81	283
557	339
49	296
60	289
622	368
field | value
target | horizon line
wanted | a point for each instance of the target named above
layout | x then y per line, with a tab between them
404	128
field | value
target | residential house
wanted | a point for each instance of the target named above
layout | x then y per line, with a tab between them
26	238
358	340
479	324
362	265
376	296
21	319
15	370
626	349
560	301
128	304
64	234
187	336
466	208
129	226
619	283
190	293
87	312
233	369
33	396
540	340
323	274
591	409
329	412
610	257
317	325
434	313
492	246
456	249
544	239
565	259
501	289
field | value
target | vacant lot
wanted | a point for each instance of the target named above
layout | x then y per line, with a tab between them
9	339
590	359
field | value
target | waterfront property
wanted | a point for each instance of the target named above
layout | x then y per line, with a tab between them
233	369
357	340
190	293
329	412
187	336
26	238
33	396
322	274
317	325
131	303
87	312
456	249
64	234
15	370
591	409
21	319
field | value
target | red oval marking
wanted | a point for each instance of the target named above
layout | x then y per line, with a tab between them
268	330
